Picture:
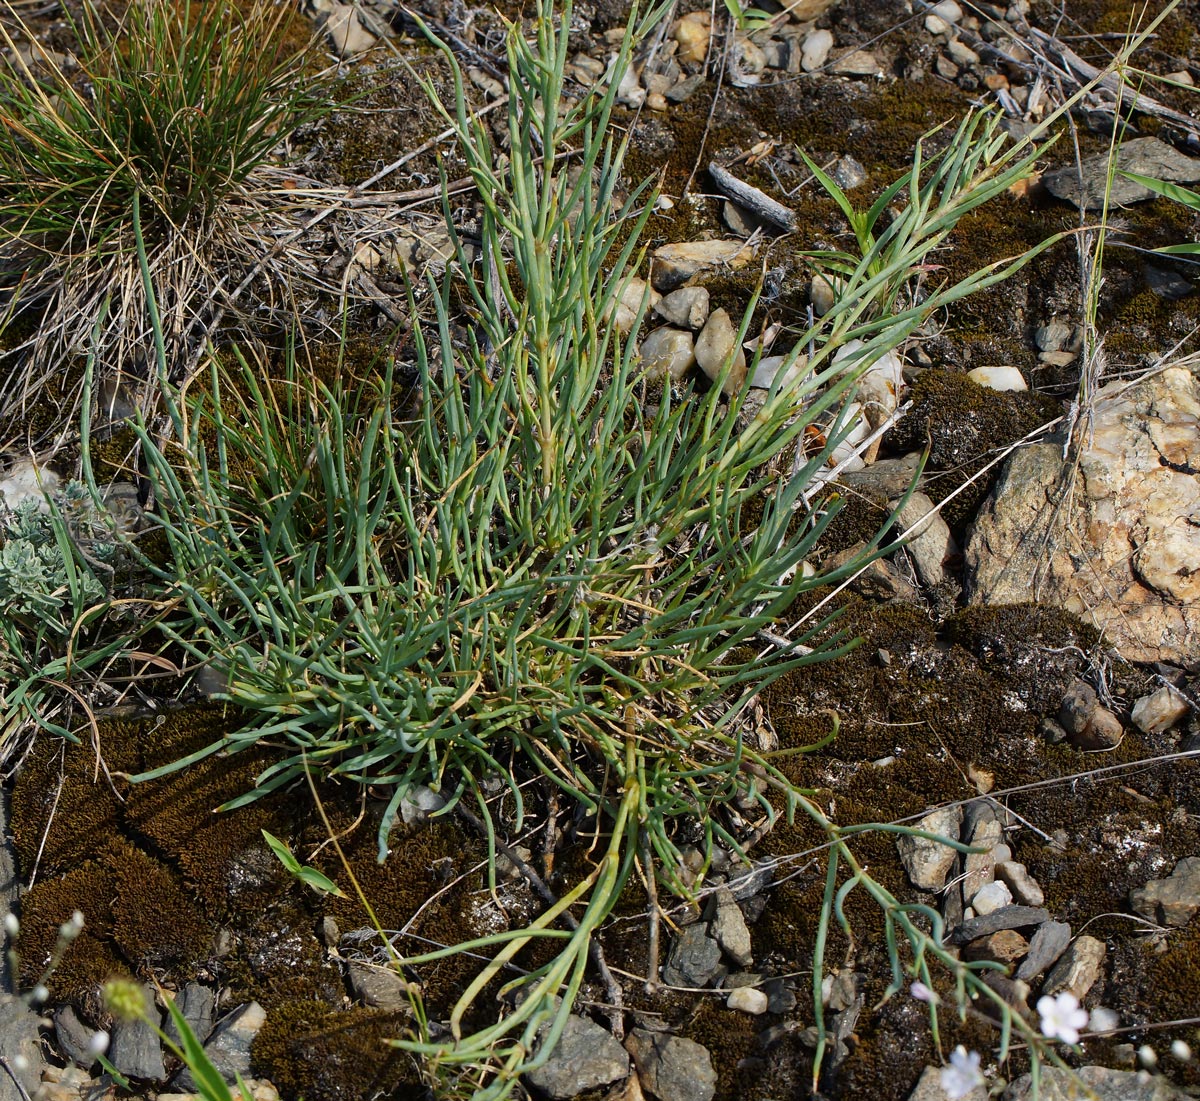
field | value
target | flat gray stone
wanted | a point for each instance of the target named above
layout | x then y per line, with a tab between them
135	1049
19	1036
1007	917
228	1047
73	1037
197	1004
1045	947
380	987
1170	901
1106	1084
672	1068
1145	156
729	929
695	958
585	1058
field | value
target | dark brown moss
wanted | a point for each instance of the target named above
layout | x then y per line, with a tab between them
729	1037
90	960
155	923
312	1051
425	860
964	425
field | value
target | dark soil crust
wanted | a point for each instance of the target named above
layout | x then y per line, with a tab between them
176	892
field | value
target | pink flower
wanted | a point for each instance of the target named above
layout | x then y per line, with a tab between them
922	993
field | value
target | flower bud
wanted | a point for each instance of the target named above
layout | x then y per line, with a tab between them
125	999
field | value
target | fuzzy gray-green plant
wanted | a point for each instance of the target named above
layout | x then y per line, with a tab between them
58	558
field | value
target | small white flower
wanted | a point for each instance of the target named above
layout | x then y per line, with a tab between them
1181	1051
1103	1020
1147	1056
19	1062
922	993
98	1044
1061	1017
12	926
38	994
963	1073
72	927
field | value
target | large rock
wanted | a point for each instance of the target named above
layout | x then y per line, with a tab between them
585	1058
19	1037
229	1046
1145	156
1104	1084
1171	901
1115	539
672	1068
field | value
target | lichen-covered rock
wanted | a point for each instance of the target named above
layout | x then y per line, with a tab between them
585	1058
1079	969
1173	900
927	862
672	1068
1105	1084
1114	537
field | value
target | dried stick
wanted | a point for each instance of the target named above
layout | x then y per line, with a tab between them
758	203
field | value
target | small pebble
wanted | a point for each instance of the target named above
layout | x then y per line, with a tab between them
815	51
961	53
1159	711
948	10
686	308
748	999
692	32
991	897
998	378
716	346
1102	1019
857	63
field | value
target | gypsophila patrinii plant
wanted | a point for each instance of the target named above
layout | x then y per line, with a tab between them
547	567
179	105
